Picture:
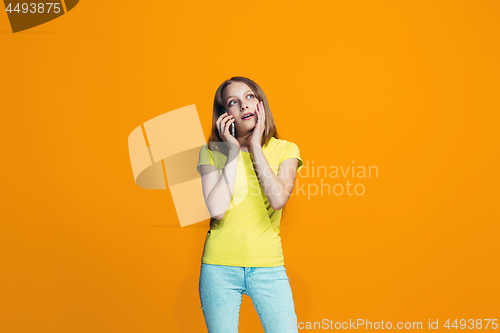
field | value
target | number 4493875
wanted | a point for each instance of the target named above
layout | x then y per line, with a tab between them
34	8
472	324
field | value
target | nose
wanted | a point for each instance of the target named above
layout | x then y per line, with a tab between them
244	107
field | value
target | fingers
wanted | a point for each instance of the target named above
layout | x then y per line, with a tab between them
261	115
217	123
226	120
220	119
223	123
229	124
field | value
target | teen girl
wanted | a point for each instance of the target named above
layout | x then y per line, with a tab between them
248	175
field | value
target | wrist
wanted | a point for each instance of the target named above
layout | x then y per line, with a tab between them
233	146
234	150
254	147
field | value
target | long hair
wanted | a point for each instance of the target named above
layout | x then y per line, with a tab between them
215	141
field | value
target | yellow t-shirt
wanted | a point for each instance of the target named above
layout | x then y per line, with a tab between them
248	235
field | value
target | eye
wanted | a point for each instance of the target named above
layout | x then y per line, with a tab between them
231	102
251	95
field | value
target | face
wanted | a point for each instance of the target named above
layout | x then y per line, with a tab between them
239	100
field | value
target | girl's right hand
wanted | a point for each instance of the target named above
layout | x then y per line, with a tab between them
223	125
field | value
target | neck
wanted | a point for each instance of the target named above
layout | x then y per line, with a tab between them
244	140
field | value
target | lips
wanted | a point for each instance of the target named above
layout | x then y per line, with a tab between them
247	116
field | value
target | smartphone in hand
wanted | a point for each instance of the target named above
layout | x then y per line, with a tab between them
232	130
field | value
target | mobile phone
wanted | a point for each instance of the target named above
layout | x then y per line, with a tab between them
232	130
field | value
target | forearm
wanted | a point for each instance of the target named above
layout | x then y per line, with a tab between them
273	187
219	199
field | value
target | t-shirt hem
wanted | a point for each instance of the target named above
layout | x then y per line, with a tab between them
242	264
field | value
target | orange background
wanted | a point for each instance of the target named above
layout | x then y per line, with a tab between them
411	87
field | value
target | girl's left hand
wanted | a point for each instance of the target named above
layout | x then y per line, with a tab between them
256	137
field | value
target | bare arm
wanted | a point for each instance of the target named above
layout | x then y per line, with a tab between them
277	188
218	190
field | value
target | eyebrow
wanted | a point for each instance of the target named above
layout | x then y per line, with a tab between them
235	96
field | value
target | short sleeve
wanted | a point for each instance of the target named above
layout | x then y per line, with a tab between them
292	151
205	157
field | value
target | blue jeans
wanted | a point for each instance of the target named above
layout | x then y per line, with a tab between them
222	288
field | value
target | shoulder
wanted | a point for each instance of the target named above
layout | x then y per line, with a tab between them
289	150
211	156
281	144
204	148
213	152
205	152
281	148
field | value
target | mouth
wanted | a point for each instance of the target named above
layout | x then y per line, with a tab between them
247	116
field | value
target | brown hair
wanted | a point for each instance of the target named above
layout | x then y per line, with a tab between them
270	127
